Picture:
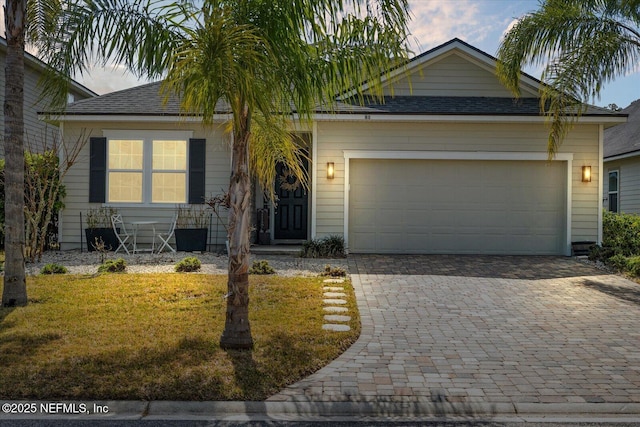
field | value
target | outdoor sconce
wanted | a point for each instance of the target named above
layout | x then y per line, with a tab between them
586	174
330	170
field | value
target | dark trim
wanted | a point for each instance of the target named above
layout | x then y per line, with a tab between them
98	170
197	151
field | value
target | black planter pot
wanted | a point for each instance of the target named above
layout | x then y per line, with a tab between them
191	239
106	234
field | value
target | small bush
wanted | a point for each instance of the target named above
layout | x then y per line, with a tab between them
333	271
327	247
113	266
188	265
261	267
620	242
633	266
618	262
53	268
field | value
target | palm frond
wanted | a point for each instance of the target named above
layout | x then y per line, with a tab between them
582	44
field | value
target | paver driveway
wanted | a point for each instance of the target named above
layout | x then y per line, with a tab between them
485	329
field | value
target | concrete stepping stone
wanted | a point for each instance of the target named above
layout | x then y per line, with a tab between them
336	328
331	301
331	309
333	280
333	288
336	318
335	295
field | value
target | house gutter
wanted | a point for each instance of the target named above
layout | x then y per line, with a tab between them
336	117
622	156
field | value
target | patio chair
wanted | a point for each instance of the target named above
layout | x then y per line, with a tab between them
121	232
165	237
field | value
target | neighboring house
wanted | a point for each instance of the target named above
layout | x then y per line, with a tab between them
35	130
450	163
622	163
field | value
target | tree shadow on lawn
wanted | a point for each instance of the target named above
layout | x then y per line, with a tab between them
629	294
194	370
14	347
176	373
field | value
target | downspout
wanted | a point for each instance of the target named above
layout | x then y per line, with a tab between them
600	179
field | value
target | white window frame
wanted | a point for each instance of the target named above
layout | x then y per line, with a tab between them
147	136
617	192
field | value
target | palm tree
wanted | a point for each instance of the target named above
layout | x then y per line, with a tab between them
23	20
269	61
15	288
583	44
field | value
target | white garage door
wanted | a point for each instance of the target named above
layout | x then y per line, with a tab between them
457	206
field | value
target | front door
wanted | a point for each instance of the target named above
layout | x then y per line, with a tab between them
290	217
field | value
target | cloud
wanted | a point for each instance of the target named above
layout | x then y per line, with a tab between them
437	21
109	78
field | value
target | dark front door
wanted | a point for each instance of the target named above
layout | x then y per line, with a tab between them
293	205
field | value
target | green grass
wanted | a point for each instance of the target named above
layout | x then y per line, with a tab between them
155	337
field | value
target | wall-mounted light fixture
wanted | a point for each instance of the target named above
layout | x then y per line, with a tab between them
586	174
330	170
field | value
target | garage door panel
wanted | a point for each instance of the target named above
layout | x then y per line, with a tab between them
437	206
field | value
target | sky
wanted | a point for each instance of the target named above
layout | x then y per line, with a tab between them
480	23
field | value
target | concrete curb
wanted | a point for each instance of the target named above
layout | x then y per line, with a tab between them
309	411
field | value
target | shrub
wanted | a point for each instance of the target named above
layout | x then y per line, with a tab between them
261	267
618	262
333	271
327	247
188	265
113	266
620	240
633	266
53	268
621	233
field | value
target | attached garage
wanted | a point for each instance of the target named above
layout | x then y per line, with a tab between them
439	206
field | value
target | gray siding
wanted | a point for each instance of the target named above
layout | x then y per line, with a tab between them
77	181
36	132
629	184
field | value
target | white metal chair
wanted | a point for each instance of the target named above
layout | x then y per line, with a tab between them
121	232
165	237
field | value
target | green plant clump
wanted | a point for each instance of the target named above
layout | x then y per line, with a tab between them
188	265
113	266
261	267
327	247
333	271
620	241
53	268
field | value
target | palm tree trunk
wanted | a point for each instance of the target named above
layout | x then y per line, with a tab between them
15	288
237	331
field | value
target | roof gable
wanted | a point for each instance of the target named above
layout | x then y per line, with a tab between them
454	68
624	139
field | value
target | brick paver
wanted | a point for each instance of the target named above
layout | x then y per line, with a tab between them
485	329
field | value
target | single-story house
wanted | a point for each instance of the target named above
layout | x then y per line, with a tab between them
35	130
622	163
449	163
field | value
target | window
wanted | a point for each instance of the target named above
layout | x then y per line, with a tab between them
126	169
613	191
147	167
169	174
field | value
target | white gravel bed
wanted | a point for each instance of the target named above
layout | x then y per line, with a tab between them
212	263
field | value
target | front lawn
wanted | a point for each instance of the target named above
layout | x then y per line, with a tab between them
155	337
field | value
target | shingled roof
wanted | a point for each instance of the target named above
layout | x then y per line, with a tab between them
624	139
147	100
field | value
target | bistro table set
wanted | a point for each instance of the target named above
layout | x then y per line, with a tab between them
128	241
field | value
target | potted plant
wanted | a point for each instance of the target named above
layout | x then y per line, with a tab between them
99	229
192	228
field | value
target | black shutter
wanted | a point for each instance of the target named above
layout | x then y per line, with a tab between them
98	170
196	170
